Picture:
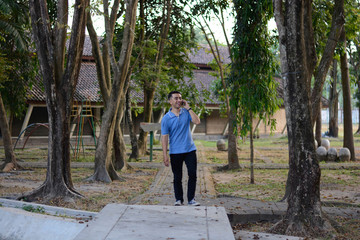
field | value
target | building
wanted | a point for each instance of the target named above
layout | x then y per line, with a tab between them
88	95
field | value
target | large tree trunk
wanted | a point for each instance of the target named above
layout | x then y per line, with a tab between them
133	139
233	157
150	84
59	82
318	127
304	215
348	128
104	169
119	159
333	104
10	159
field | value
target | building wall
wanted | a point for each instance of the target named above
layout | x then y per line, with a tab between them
280	117
215	124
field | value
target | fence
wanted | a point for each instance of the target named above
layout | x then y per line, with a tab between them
325	116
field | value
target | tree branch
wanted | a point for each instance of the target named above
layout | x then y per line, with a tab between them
337	25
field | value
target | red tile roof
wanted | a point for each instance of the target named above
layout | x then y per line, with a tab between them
88	87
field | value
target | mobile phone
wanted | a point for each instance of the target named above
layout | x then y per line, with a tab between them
183	103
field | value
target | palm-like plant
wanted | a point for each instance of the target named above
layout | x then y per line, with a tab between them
17	68
14	19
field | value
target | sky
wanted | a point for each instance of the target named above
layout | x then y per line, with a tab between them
99	25
216	27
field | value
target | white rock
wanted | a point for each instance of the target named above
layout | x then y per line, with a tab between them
332	155
325	143
344	154
221	145
321	152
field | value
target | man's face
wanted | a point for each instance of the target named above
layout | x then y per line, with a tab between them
176	100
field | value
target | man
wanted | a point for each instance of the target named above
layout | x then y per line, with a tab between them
175	126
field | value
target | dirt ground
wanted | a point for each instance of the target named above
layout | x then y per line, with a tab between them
96	195
337	186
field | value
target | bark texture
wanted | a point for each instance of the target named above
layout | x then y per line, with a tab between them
333	104
304	215
60	80
233	157
318	127
133	139
10	162
104	168
345	81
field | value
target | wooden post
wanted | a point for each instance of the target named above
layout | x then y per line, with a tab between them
26	120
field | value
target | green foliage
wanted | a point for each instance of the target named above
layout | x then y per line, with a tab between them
33	209
15	46
208	7
251	82
174	72
13	17
322	17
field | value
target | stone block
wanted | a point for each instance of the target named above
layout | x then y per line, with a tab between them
221	145
344	155
325	143
321	152
332	155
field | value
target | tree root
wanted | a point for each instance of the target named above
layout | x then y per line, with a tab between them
227	167
45	194
100	175
10	166
316	228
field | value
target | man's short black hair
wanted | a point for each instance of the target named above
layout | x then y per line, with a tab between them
171	93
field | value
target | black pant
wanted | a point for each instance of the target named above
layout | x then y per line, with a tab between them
176	166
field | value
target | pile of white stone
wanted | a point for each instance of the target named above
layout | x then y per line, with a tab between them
329	154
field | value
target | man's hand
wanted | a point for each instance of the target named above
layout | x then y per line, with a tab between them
166	161
164	143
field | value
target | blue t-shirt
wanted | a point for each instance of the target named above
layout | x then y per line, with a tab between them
178	129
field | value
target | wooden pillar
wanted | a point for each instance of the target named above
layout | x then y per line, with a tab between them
26	119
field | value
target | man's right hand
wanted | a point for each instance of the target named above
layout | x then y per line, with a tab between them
166	161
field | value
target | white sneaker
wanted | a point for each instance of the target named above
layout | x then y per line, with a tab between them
193	203
178	203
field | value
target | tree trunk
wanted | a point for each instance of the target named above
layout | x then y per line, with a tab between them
318	127
348	128
233	158
150	84
337	25
104	168
252	179
10	159
333	105
119	159
149	94
133	139
304	215
60	80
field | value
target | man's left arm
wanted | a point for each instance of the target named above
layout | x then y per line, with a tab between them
194	117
